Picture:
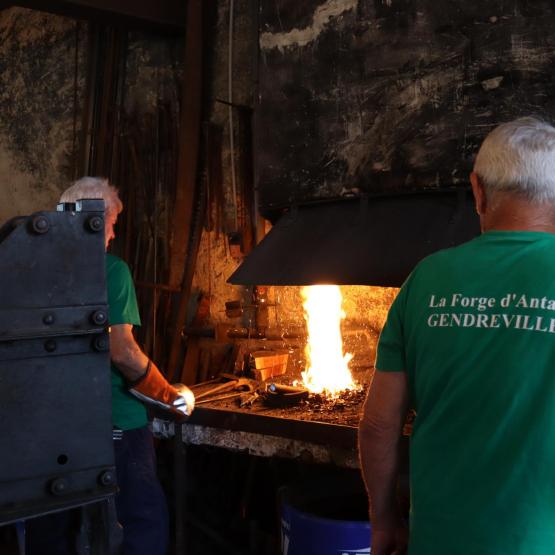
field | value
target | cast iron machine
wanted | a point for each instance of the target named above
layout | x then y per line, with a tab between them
55	412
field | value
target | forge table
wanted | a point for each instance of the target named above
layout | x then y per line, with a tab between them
292	432
288	433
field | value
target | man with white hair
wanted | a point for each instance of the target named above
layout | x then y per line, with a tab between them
469	343
140	502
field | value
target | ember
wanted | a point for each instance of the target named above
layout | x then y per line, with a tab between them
320	403
344	408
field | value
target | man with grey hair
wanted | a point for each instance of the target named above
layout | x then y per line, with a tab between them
469	343
140	502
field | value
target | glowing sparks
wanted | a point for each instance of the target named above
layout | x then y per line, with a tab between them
328	370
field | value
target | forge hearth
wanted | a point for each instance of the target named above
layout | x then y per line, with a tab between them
344	410
324	424
320	420
257	397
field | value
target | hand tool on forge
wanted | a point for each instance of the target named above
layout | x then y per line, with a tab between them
238	386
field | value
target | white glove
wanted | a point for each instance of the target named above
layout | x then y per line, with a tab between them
185	401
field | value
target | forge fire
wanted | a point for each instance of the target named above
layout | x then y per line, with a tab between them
327	365
308	356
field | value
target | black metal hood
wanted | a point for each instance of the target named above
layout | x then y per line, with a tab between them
362	241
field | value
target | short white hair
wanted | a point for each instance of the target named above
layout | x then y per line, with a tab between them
94	187
519	157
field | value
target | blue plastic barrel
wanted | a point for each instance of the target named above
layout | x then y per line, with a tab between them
330	523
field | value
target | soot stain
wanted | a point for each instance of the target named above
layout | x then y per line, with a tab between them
37	89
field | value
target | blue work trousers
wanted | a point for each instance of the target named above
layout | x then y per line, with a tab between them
140	503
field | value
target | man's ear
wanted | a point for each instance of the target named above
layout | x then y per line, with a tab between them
479	194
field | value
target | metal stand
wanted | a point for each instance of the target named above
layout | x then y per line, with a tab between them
179	461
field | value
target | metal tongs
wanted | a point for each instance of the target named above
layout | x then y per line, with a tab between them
234	387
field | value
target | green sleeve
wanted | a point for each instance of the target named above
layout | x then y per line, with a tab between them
390	356
122	300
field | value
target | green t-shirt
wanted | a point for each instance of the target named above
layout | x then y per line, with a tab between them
474	329
128	412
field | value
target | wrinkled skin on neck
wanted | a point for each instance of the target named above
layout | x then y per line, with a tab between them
509	211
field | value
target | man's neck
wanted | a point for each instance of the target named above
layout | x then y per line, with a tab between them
512	213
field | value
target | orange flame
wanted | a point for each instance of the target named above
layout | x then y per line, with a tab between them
328	370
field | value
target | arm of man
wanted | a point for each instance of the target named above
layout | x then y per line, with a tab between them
146	381
126	353
380	432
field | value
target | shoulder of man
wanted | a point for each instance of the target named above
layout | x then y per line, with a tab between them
445	255
113	260
115	266
431	264
122	300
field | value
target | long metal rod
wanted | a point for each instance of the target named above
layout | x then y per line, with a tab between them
159	286
74	155
230	112
220	398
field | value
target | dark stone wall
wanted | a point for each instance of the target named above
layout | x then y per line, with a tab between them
392	94
41	91
38	56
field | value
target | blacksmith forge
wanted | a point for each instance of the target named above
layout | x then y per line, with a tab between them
261	149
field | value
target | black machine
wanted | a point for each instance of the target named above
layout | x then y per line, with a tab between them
55	412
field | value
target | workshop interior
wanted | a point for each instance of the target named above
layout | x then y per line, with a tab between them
283	167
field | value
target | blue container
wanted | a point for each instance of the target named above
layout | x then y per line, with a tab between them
315	523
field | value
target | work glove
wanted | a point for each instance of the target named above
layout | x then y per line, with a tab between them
154	389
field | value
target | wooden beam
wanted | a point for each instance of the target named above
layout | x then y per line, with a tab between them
186	229
166	16
189	138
